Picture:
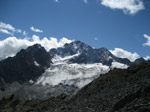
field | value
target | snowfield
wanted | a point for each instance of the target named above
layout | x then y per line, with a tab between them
72	74
78	75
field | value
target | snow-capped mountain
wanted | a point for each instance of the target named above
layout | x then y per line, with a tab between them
61	70
84	54
78	64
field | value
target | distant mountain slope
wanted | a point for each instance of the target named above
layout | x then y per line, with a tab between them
119	90
27	65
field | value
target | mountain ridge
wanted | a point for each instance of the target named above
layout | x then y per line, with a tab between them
37	57
87	54
70	67
22	67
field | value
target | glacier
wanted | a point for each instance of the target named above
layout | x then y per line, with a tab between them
79	75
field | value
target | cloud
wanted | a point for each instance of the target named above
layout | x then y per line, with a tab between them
85	1
125	54
19	31
118	65
36	30
57	1
148	40
7	26
147	58
128	6
10	46
8	29
24	33
95	38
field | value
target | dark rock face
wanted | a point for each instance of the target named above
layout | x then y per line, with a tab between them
2	85
117	91
27	65
87	54
139	61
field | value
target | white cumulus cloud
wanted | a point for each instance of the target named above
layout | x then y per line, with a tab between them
147	58
7	26
8	29
85	1
19	31
125	54
57	1
128	6
118	65
148	40
36	30
95	38
24	33
10	46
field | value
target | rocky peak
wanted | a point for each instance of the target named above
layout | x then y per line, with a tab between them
70	49
28	64
139	61
87	54
35	53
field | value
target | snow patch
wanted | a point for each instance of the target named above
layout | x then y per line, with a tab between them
31	82
59	60
36	63
118	65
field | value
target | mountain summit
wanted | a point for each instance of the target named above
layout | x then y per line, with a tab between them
84	54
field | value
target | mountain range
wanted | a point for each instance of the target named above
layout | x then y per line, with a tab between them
119	90
61	70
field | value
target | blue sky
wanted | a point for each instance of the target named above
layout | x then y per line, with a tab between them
95	22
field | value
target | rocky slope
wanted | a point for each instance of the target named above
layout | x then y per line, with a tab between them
119	90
